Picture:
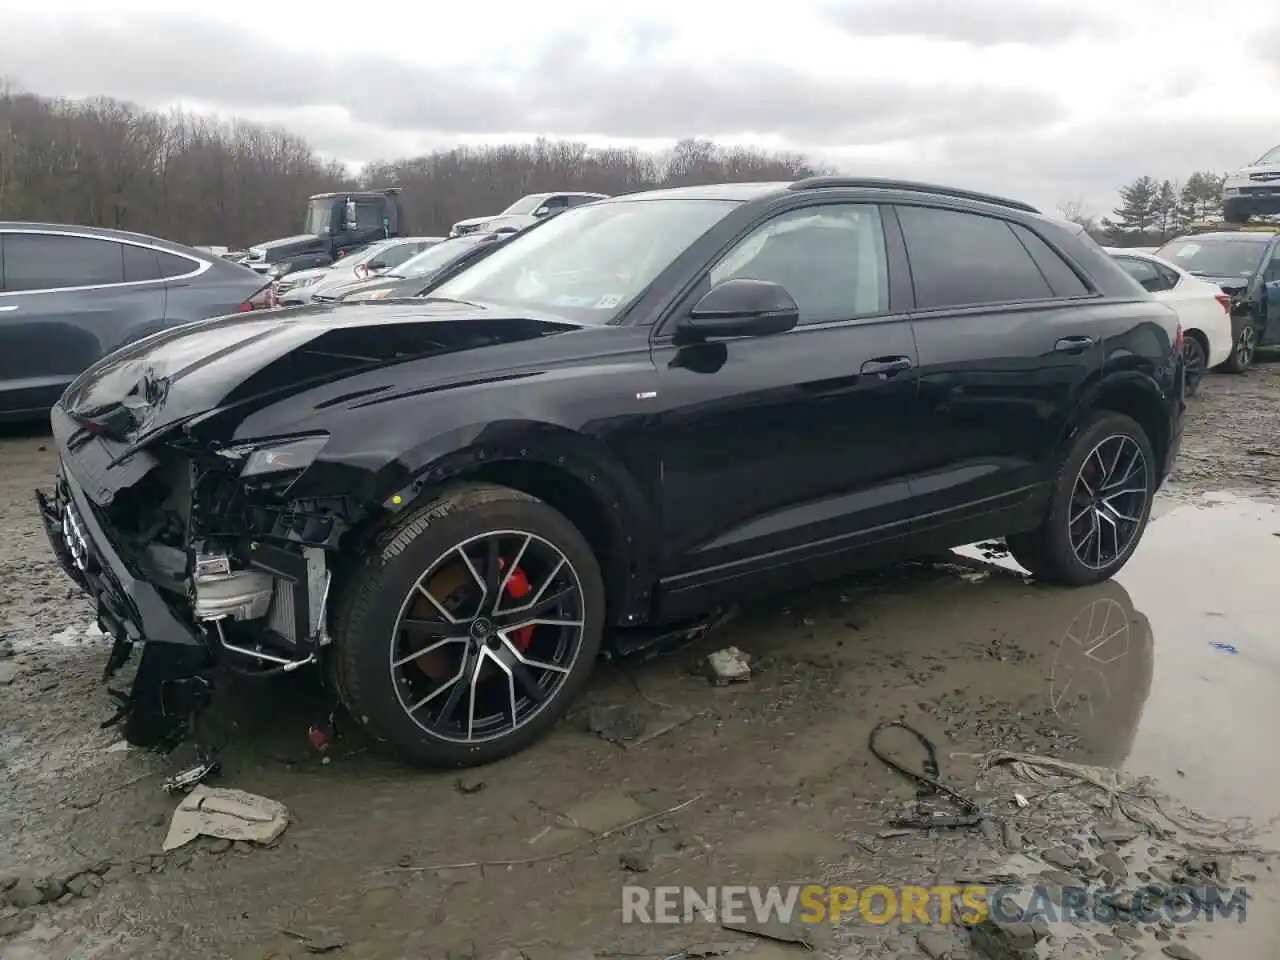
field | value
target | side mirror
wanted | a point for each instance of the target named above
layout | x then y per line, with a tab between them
740	308
350	216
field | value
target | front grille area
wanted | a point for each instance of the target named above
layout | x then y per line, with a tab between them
1267	177
74	533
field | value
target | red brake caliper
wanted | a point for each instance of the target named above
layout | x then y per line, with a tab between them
518	587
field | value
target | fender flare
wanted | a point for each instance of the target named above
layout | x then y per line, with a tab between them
630	514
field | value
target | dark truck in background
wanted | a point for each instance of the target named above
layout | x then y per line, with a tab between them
336	223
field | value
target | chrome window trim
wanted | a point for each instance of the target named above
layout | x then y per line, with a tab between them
204	265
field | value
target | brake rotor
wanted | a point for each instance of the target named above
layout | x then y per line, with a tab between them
450	587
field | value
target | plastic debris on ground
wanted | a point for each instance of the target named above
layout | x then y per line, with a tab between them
227	814
729	665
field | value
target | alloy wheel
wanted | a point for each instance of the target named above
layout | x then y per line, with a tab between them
1108	502
487	636
1246	346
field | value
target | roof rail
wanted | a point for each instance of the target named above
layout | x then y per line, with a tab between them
877	183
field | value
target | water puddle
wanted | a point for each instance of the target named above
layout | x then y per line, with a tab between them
1169	671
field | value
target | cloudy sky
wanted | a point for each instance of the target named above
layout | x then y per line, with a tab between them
1046	100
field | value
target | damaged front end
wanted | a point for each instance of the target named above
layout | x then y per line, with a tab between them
196	550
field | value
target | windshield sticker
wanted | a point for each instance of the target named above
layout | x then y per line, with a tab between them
608	300
567	301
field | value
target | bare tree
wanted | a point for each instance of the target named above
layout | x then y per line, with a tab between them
200	180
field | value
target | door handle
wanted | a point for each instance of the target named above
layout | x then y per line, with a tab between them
1073	344
886	366
8	308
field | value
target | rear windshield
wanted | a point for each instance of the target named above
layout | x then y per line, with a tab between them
1214	257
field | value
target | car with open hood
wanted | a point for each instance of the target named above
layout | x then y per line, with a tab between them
1245	264
598	437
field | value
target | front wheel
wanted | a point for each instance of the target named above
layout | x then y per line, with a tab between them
1099	507
469	628
1243	348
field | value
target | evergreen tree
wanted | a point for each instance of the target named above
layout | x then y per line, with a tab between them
1139	205
1167	210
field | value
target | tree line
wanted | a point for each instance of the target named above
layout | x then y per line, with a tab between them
201	180
1153	211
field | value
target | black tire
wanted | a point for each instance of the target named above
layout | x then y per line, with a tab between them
1195	356
1046	552
1236	212
369	606
1244	345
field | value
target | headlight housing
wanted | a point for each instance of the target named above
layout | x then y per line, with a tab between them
274	457
279	270
305	282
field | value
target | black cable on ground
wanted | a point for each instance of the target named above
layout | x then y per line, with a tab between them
928	781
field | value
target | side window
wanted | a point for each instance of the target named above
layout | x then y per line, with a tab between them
1143	271
965	259
831	259
1062	279
579	199
46	261
140	263
397	254
556	203
1272	274
173	265
370	215
1168	278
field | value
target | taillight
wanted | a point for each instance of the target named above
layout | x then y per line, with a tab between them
1177	338
1225	300
262	300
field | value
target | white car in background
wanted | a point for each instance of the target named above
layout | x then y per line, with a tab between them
1253	190
1203	309
298	287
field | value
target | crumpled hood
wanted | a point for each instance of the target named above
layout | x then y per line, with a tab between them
287	247
179	374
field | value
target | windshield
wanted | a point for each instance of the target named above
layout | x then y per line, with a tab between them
1271	156
1214	258
434	257
589	262
365	255
526	204
319	218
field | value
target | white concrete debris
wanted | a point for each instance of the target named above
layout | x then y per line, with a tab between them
228	814
729	665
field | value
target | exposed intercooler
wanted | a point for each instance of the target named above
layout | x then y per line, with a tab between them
219	593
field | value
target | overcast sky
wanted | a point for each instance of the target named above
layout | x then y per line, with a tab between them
1039	99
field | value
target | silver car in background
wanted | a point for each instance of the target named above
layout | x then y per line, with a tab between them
294	289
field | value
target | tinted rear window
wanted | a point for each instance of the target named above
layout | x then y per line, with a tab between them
47	261
964	259
172	265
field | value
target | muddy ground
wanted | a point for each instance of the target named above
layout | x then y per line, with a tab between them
1169	672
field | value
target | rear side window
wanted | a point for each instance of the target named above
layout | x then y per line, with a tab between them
1153	278
49	261
964	259
172	265
140	263
1062	279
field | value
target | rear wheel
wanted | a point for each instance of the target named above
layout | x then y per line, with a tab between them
1099	506
469	628
1195	356
1244	345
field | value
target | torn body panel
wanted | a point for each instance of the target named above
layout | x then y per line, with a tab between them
174	550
